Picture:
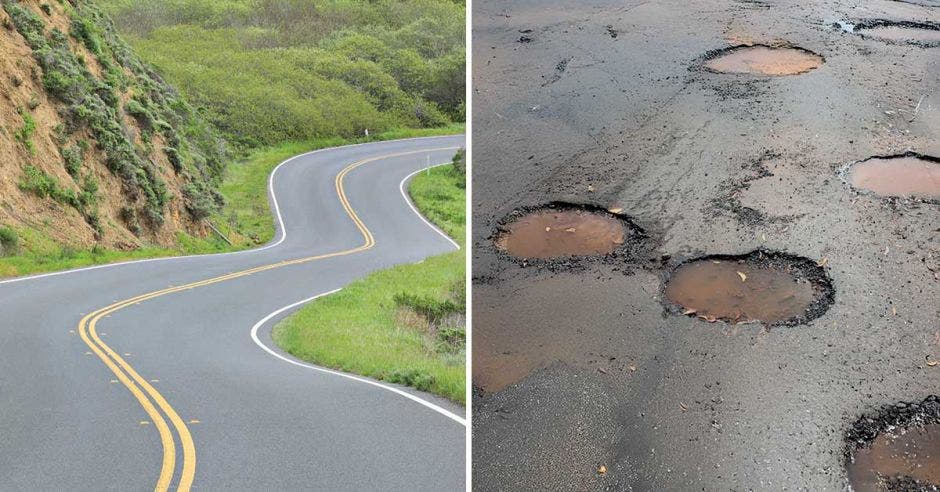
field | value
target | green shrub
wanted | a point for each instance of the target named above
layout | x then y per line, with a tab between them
25	134
129	216
86	32
434	310
9	241
415	378
200	203
451	340
42	185
72	156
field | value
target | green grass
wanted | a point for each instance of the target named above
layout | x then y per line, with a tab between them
371	326
246	218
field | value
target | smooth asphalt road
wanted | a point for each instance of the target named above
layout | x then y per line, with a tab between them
74	415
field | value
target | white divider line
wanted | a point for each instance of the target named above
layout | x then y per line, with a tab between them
401	188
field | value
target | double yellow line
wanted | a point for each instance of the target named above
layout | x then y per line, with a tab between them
151	399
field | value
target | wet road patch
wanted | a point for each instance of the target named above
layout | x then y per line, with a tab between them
904	176
763	60
897	449
899	32
762	286
564	230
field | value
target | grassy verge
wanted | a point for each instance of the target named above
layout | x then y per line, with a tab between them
246	218
404	324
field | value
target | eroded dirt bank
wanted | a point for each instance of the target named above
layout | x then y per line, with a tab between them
585	377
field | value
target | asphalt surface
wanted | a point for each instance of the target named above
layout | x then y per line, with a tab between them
256	421
604	103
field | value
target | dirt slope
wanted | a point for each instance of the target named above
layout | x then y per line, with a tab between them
94	147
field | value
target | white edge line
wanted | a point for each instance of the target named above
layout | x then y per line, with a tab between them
259	324
281	230
254	337
401	188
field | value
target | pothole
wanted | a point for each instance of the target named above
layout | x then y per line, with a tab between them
563	230
905	176
896	449
762	286
898	32
763	60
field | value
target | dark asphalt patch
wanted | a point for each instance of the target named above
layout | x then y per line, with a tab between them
909	175
761	59
770	287
897	448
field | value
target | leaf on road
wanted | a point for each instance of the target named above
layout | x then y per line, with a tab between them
683	407
822	262
602	470
570	229
743	276
590	187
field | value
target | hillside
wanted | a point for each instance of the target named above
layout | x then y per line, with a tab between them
96	150
270	71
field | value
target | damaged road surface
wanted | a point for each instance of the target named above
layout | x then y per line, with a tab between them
804	131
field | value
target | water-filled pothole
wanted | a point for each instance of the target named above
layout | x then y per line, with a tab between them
763	60
561	230
763	286
907	175
903	32
896	449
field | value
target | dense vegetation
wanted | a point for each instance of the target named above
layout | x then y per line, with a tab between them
405	324
94	105
269	71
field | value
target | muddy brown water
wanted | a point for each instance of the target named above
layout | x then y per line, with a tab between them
898	176
556	233
902	34
912	454
738	292
764	60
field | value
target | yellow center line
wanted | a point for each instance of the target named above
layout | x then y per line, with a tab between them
140	387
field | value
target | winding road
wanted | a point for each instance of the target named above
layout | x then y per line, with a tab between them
160	374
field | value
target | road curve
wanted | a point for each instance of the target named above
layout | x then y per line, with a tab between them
161	374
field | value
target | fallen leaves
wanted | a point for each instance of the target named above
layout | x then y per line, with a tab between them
602	470
822	262
590	187
742	275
